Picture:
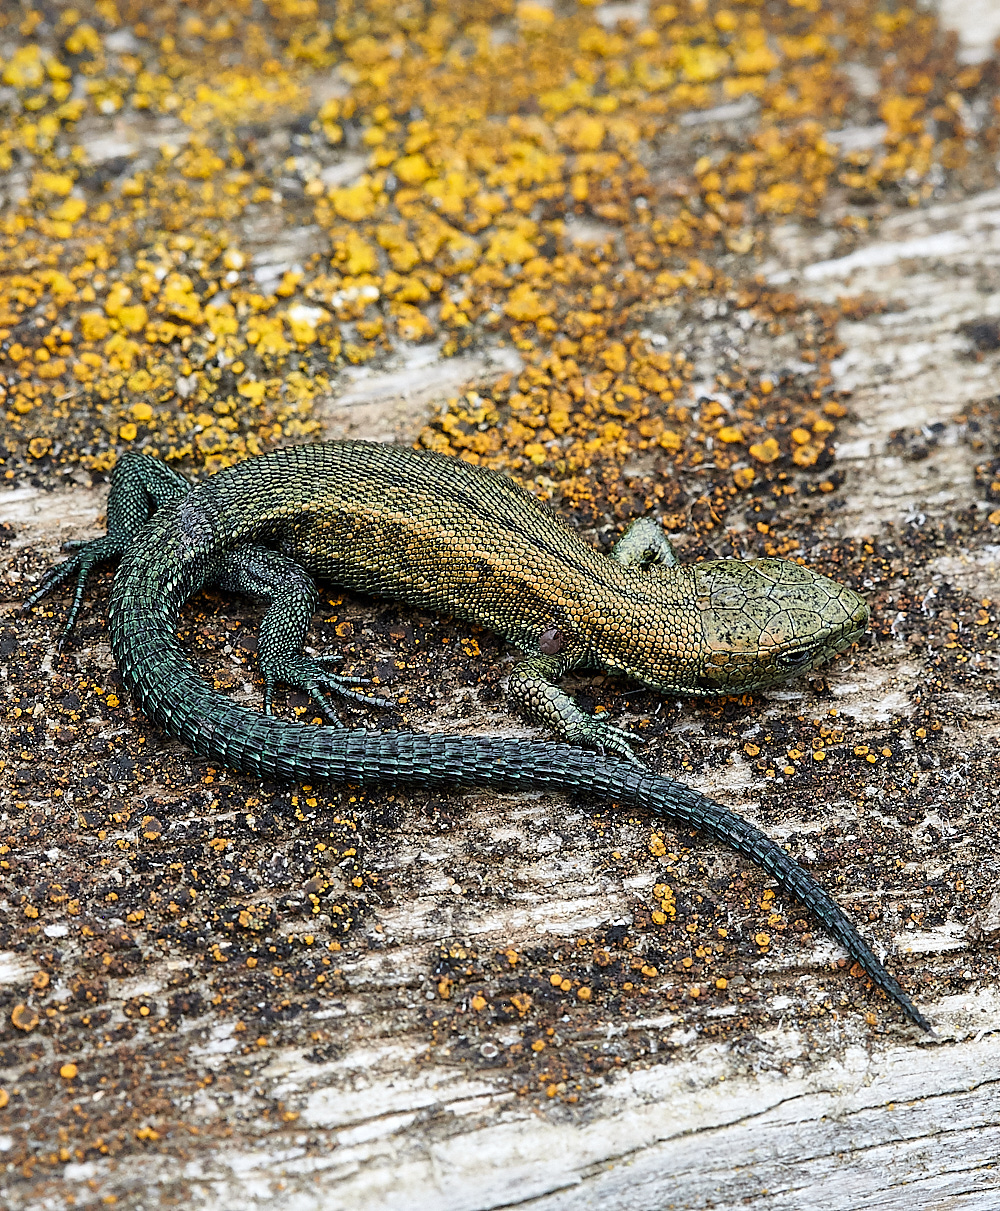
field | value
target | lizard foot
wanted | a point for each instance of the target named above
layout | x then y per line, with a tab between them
88	555
309	674
594	733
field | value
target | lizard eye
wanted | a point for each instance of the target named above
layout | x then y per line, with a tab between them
794	660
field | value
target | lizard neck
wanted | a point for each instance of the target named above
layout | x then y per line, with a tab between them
643	623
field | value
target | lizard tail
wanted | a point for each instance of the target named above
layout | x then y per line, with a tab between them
443	760
155	669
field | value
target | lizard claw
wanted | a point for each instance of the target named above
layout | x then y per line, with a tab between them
594	733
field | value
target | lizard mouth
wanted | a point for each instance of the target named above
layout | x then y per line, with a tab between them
822	647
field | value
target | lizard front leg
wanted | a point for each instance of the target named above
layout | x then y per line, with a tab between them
532	690
644	545
291	601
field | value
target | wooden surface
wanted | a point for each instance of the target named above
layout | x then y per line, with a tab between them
833	1117
391	1090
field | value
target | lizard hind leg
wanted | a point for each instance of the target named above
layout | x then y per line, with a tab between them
291	599
139	487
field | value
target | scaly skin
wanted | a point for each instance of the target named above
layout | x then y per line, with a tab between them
447	536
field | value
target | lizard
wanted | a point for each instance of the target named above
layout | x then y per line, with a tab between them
450	536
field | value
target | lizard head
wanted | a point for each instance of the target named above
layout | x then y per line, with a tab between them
765	620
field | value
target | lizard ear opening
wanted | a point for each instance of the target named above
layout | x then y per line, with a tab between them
551	641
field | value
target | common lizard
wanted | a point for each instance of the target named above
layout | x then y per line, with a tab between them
449	536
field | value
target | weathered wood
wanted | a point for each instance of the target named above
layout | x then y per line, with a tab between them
780	1094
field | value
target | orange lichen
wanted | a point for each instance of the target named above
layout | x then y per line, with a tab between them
129	280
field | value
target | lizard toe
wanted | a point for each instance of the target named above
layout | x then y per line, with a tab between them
306	673
342	688
315	692
89	553
307	686
606	739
